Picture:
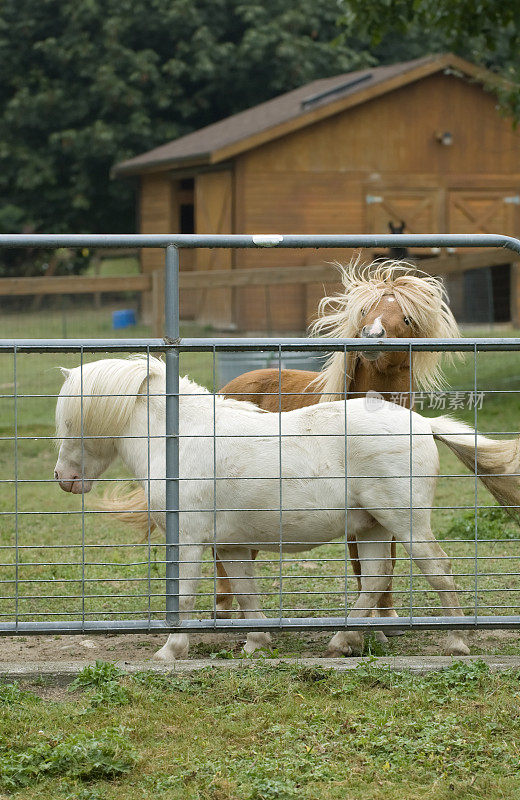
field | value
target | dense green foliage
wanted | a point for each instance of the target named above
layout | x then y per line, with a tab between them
84	85
485	32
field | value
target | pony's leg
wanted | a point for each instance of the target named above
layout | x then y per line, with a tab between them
436	567
354	560
177	644
374	556
224	599
386	603
239	567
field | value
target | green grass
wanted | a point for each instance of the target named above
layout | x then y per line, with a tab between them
51	568
282	733
115	266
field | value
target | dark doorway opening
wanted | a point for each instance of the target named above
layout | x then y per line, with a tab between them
187	205
487	294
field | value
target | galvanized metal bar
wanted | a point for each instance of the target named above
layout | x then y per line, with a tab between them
475	468
214	366
258	241
82	431
345	456
496	344
148	485
280	490
16	522
410	421
171	316
273	623
324	344
43	345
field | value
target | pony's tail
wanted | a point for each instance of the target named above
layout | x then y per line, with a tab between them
497	462
129	505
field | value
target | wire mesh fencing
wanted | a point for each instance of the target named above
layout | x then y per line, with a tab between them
246	520
69	562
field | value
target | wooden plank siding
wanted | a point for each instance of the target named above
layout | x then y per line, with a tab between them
214	214
156	212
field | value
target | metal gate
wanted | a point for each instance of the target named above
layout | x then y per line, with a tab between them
28	605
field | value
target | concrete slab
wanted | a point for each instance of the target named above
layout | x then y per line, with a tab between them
62	672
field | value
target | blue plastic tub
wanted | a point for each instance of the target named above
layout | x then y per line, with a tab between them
123	318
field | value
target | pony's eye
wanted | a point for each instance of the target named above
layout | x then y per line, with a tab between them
407	321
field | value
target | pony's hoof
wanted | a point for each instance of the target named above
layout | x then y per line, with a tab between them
390	632
458	648
173	650
336	652
345	643
256	641
380	637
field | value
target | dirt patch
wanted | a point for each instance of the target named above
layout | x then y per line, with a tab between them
141	647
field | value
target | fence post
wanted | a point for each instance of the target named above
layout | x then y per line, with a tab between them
171	314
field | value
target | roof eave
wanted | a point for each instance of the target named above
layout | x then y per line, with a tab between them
128	169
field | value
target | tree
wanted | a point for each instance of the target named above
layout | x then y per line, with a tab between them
484	31
86	84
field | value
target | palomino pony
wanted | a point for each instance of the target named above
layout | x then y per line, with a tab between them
105	407
384	299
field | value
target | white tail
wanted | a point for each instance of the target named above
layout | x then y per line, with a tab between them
129	505
495	462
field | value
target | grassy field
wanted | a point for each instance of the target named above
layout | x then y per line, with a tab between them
124	577
284	733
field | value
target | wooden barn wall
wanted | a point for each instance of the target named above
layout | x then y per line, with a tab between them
317	181
214	214
156	205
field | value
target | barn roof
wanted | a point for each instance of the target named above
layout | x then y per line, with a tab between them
289	112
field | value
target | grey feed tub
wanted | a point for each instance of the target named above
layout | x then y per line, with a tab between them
230	365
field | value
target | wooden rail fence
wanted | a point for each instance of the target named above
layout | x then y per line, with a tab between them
153	283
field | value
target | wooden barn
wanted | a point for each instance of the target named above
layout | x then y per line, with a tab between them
421	143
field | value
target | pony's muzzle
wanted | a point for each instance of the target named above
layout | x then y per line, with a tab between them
372	332
73	483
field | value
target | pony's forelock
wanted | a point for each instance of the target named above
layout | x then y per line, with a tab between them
86	401
421	297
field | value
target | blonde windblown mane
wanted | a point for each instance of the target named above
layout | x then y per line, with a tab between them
422	299
100	383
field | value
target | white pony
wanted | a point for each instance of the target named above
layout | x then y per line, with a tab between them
311	458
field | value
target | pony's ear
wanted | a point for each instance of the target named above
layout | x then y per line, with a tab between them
65	372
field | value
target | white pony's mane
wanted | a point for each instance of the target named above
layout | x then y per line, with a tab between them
97	382
422	298
110	389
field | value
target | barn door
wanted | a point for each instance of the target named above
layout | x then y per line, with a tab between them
483	211
490	293
213	210
418	208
